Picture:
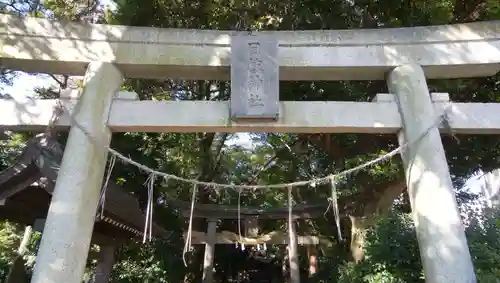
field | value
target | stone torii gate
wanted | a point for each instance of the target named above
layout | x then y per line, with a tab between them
105	54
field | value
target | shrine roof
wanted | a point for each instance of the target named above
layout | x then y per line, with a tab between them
27	186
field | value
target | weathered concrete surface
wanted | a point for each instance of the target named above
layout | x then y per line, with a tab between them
208	260
211	116
70	220
440	232
293	255
40	45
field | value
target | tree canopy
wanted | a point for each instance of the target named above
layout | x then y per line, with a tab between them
372	202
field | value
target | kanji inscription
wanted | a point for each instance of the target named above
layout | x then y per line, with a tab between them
254	77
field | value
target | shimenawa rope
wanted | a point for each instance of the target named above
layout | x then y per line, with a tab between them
332	178
321	180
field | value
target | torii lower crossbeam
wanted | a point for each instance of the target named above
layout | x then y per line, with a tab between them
300	117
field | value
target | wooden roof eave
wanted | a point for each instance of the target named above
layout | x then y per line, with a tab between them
41	158
24	173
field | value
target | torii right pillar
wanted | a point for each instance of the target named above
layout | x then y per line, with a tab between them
440	231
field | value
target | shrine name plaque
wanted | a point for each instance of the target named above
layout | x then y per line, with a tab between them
254	77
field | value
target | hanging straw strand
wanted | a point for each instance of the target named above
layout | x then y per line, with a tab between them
149	209
290	221
187	244
240	237
322	180
335	206
102	198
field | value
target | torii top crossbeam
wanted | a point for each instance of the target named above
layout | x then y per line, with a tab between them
449	51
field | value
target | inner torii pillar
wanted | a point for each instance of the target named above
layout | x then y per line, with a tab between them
312	256
208	260
106	260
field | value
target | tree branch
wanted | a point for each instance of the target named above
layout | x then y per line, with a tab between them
469	10
62	84
380	205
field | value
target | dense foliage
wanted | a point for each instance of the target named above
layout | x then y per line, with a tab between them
390	249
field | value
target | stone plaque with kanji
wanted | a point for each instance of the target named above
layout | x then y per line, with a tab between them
254	76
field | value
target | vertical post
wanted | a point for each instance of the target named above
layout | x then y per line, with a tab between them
23	247
70	220
283	267
39	225
17	272
208	262
105	264
293	257
440	232
312	254
252	230
251	227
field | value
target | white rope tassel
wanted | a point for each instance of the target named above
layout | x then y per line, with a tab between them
290	222
148	225
335	206
102	198
187	244
292	239
239	221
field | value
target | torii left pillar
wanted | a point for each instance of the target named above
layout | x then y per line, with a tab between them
70	220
